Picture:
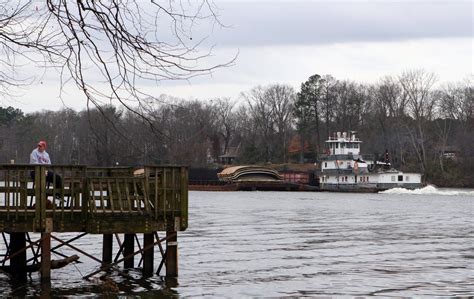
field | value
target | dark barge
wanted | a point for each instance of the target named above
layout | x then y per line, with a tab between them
249	186
248	178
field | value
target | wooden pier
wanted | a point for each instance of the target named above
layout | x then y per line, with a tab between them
119	203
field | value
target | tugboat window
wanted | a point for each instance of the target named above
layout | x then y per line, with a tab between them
400	178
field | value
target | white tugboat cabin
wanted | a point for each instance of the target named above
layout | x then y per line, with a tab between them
345	169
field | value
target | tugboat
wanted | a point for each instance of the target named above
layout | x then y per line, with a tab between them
345	169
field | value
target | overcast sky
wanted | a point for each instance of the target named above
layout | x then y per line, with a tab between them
288	41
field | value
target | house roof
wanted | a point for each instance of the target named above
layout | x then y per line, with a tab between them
448	148
232	152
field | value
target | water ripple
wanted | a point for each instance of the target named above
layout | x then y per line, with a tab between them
285	244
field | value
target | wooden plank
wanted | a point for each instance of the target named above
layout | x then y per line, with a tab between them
93	205
101	196
135	195
85	195
72	198
15	198
184	198
127	192
119	194
165	197
156	193
111	195
145	197
7	179
23	195
42	195
173	191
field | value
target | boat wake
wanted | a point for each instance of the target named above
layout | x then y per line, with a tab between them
429	190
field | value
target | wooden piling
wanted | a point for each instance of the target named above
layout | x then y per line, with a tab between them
107	246
18	262
171	254
128	249
45	269
148	240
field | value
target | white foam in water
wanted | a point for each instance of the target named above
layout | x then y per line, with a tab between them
428	190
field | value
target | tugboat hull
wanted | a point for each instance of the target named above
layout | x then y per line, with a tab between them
371	188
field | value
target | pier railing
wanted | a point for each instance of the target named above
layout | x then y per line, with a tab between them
92	199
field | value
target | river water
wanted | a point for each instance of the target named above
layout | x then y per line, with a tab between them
301	244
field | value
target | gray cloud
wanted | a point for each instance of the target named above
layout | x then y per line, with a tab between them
257	23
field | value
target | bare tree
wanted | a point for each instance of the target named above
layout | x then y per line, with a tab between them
247	135
417	86
455	105
103	141
390	112
457	101
351	105
108	49
271	112
443	123
281	99
260	111
226	122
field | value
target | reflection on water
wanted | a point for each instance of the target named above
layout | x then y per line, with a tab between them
254	244
114	283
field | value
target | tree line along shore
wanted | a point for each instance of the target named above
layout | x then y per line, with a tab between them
425	127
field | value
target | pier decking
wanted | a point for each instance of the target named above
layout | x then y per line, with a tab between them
92	200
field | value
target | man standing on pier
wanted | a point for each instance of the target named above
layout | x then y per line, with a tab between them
40	156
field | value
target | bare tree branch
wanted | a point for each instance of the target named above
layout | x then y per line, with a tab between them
108	49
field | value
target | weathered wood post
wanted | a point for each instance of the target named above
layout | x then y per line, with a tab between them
107	249
148	240
171	254
45	269
128	247
45	289
23	194
18	262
